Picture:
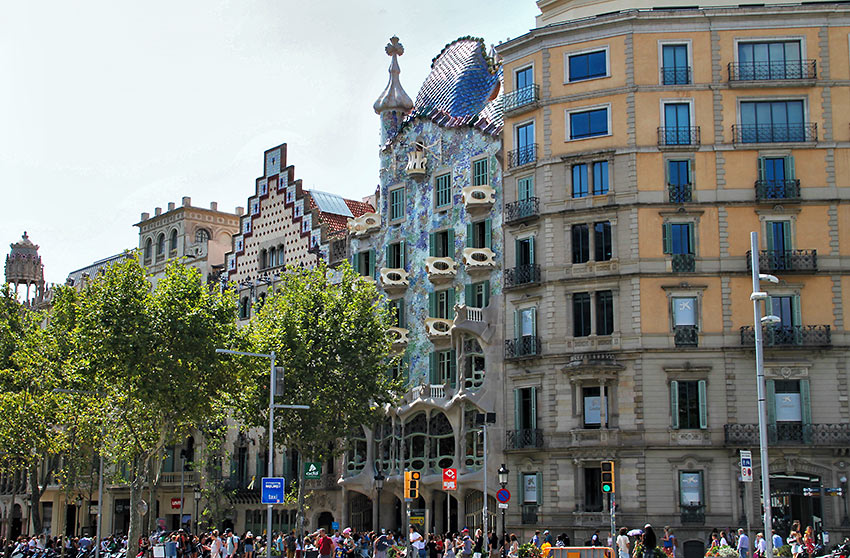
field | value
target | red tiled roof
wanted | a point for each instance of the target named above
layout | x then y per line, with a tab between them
359	208
339	223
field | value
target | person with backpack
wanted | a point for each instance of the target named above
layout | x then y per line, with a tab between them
289	543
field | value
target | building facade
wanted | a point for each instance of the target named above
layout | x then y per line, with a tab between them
641	148
435	248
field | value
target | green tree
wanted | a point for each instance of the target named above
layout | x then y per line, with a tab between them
330	336
150	354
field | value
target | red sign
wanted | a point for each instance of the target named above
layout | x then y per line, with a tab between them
449	479
175	504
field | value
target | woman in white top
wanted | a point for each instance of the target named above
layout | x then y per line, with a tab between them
623	543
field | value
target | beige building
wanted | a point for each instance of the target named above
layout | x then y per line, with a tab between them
641	148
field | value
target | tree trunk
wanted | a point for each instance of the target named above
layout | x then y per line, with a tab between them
134	531
35	495
299	520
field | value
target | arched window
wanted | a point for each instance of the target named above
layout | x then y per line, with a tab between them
474	442
148	250
415	436
172	244
356	454
160	246
202	236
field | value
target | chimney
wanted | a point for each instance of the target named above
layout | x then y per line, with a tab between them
187	201
170	206
157	211
214	206
240	210
146	216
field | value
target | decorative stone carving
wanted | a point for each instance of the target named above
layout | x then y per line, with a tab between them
438	328
416	163
394	279
478	259
478	197
399	335
440	269
365	224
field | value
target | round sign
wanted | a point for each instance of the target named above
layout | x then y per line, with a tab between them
503	495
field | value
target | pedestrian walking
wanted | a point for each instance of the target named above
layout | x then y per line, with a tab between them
650	541
743	545
623	543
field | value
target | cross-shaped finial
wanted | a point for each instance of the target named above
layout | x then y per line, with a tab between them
394	47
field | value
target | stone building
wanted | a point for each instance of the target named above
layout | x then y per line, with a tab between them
434	245
24	268
641	148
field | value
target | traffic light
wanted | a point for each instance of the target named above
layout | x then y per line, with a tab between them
608	477
411	484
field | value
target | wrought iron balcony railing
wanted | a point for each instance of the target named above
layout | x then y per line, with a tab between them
522	156
682	263
522	210
685	336
789	433
680	193
693	514
522	275
524	438
789	336
778	189
785	260
523	96
529	514
678	135
527	346
767	71
774	133
676	75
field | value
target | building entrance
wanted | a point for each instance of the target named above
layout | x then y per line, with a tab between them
789	504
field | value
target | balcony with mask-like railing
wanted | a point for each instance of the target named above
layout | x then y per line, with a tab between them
394	279
522	276
789	336
365	224
778	190
522	156
478	197
438	328
803	132
440	269
785	260
521	100
779	71
399	336
478	259
522	210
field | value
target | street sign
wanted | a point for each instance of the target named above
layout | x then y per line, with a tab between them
503	506
746	466
833	491
175	504
503	495
449	479
313	470
417	517
334	525
272	491
811	492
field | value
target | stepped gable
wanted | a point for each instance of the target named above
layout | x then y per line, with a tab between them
463	89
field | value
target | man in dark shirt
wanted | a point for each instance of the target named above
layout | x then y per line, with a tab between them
650	541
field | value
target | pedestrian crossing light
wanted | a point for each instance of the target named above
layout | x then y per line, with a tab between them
411	484
608	477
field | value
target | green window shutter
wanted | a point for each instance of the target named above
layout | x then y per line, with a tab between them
534	321
517	251
402	322
786	233
796	312
402	247
703	408
531	250
432	305
355	262
450	303
667	238
372	262
433	376
470	241
488	233
539	489
768	235
691	244
691	172
789	168
674	404
517	415
533	413
405	370
453	368
468	294
388	255
771	403
432	244
761	168
516	324
486	293
806	410
451	236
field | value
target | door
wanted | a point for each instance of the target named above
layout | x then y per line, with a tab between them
677	123
778	240
675	65
525	143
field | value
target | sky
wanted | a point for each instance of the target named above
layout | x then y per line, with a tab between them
110	108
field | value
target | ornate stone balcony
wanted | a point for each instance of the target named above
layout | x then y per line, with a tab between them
478	197
365	224
399	336
438	328
478	259
394	279
440	269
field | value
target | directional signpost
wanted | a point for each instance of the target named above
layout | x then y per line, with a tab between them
272	492
746	466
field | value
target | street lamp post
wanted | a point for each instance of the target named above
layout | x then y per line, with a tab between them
272	406
757	296
379	486
182	485
503	481
195	521
78	502
485	419
846	521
